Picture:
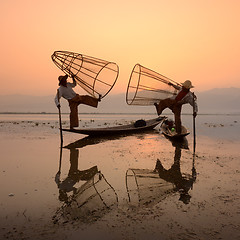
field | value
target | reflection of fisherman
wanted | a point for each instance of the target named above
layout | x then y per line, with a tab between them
183	184
74	176
66	91
175	103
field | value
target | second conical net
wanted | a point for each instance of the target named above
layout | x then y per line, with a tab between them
147	87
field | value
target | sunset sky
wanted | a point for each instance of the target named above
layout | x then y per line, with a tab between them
188	39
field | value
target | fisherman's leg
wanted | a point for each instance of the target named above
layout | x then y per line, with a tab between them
73	114
159	166
87	100
163	104
74	154
177	114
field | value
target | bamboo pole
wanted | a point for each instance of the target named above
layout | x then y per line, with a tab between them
194	125
60	120
60	158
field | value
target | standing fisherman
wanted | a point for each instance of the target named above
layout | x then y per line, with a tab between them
66	91
175	103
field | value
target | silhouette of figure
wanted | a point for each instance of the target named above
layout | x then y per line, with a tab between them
66	91
74	175
175	103
182	183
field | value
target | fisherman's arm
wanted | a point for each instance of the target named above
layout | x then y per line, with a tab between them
57	98
74	83
175	86
194	104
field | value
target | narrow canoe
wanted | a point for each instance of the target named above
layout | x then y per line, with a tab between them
123	129
171	133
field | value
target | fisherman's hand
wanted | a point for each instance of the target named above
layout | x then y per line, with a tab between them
194	114
58	106
72	75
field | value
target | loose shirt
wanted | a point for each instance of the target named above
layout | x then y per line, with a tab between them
65	92
188	98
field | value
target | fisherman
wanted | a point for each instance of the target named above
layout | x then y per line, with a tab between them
182	182
175	103
66	91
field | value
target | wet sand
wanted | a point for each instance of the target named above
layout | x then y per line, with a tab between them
47	194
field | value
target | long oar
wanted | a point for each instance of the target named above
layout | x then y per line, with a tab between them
194	125
60	158
60	121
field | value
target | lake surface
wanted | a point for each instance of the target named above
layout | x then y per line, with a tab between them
38	177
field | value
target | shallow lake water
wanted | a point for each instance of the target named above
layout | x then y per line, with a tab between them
49	192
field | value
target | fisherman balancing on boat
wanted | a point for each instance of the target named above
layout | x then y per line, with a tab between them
175	103
66	91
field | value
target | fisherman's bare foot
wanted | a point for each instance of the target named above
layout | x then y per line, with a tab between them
156	105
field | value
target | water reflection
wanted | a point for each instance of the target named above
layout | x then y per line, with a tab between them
182	182
67	185
147	187
90	140
88	201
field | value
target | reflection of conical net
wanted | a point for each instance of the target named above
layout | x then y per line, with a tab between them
90	202
94	75
147	87
145	187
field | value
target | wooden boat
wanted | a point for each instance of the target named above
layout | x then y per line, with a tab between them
138	126
171	132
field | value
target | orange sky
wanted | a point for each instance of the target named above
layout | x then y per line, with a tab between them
188	39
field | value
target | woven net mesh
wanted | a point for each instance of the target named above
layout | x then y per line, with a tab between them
145	187
147	87
90	202
95	76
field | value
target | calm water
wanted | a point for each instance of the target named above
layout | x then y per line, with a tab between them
37	176
226	126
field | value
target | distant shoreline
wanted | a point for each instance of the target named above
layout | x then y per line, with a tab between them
94	113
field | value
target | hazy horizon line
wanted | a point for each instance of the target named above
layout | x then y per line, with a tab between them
121	113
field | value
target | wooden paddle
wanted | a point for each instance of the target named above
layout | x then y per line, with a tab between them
60	120
194	125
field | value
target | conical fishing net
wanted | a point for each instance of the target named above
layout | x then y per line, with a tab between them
147	87
90	201
145	187
94	75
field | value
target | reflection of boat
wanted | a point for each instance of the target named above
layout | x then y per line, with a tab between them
145	188
91	140
89	202
138	126
170	132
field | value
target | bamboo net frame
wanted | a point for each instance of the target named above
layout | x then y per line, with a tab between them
90	201
94	75
146	87
145	187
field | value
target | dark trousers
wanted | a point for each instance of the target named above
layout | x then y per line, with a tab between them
176	109
73	104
